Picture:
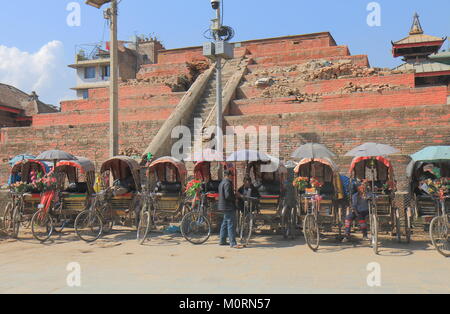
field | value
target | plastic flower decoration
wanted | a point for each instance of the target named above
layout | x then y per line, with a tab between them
315	183
301	183
193	187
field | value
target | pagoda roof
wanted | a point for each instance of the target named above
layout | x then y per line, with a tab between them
427	67
419	38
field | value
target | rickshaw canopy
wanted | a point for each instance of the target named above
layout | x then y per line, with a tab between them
330	173
202	169
72	168
160	166
324	161
432	153
25	167
19	158
385	169
122	167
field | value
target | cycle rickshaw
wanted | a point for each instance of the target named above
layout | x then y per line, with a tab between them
430	203
163	199
269	178
63	198
378	175
24	194
197	223
320	199
116	203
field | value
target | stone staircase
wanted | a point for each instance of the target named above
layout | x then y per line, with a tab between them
207	102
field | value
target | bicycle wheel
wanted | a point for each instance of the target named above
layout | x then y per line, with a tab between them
374	233
294	221
440	235
108	220
311	232
286	223
42	226
196	228
408	225
398	229
16	220
246	229
144	225
8	218
89	226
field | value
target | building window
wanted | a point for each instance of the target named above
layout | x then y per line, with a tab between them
89	73
106	72
85	93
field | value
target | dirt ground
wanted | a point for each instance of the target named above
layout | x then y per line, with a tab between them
168	264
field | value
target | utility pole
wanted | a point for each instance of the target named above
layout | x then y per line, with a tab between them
217	51
219	105
114	84
111	14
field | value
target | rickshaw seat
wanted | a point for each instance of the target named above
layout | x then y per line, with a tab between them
80	187
127	196
269	188
270	196
169	187
213	195
212	186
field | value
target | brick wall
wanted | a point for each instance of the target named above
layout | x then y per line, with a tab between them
364	100
90	141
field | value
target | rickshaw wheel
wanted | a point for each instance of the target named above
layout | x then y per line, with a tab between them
16	217
89	226
7	224
294	221
374	233
196	228
398	229
311	232
246	228
440	235
144	226
41	226
285	223
408	225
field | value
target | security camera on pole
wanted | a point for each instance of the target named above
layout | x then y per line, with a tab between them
216	51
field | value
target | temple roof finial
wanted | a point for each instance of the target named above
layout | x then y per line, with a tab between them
416	28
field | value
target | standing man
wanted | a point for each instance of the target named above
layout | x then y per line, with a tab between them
227	205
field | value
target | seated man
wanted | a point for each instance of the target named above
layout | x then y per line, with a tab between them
360	211
247	189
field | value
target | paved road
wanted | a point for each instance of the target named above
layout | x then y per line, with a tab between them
168	264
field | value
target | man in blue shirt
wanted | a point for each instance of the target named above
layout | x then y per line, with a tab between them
360	211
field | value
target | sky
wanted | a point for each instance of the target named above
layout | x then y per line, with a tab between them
37	42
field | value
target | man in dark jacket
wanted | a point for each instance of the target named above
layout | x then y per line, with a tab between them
227	205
